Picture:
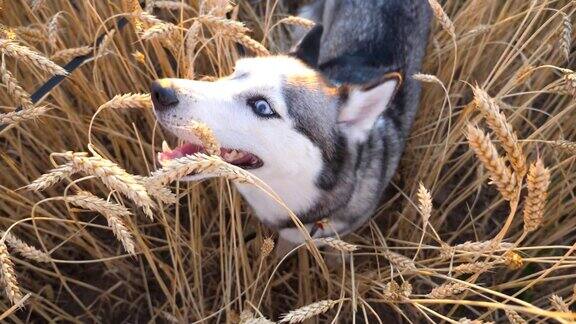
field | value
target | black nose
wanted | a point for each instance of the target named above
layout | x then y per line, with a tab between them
163	95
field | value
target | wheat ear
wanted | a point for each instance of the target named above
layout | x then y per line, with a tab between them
53	27
31	34
303	313
171	5
474	267
570	83
114	177
442	18
399	261
24	249
503	130
267	247
566	37
559	304
501	176
427	78
253	45
447	290
338	244
566	146
27	55
158	30
207	137
15	117
70	53
424	203
113	213
20	96
228	26
297	21
53	176
129	100
514	317
8	275
537	182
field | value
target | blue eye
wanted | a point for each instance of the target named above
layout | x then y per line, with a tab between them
261	107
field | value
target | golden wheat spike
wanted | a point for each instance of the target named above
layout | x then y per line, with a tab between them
24	249
500	175
114	177
447	290
113	213
297	21
442	18
70	53
129	100
20	96
53	176
424	203
8	275
15	117
303	313
399	261
27	55
503	130
537	182
514	317
338	244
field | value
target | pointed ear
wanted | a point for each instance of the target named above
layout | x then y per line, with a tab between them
308	50
365	104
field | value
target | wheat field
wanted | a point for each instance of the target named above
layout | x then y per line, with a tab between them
478	225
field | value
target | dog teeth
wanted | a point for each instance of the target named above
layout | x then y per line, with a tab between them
165	147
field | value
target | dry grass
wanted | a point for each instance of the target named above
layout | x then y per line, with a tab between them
472	262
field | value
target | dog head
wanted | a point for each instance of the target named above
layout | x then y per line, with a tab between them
276	116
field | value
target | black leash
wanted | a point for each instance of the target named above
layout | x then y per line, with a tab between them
70	67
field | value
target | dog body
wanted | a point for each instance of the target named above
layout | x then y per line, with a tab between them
324	127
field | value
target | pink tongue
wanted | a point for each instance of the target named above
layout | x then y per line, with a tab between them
186	149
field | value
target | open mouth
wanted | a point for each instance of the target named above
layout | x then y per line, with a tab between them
239	158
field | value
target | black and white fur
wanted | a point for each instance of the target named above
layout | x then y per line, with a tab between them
344	102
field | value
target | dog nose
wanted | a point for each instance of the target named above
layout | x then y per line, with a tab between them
163	95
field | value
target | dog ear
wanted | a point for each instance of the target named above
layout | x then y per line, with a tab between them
308	49
364	104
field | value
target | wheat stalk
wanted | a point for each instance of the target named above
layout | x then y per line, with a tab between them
447	290
129	100
566	37
503	130
566	146
424	204
20	96
537	182
114	177
27	55
501	176
24	249
514	317
70	53
53	176
399	261
303	313
297	21
15	117
8	275
113	213
338	244
442	18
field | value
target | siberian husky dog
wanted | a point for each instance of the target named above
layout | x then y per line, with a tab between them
324	125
